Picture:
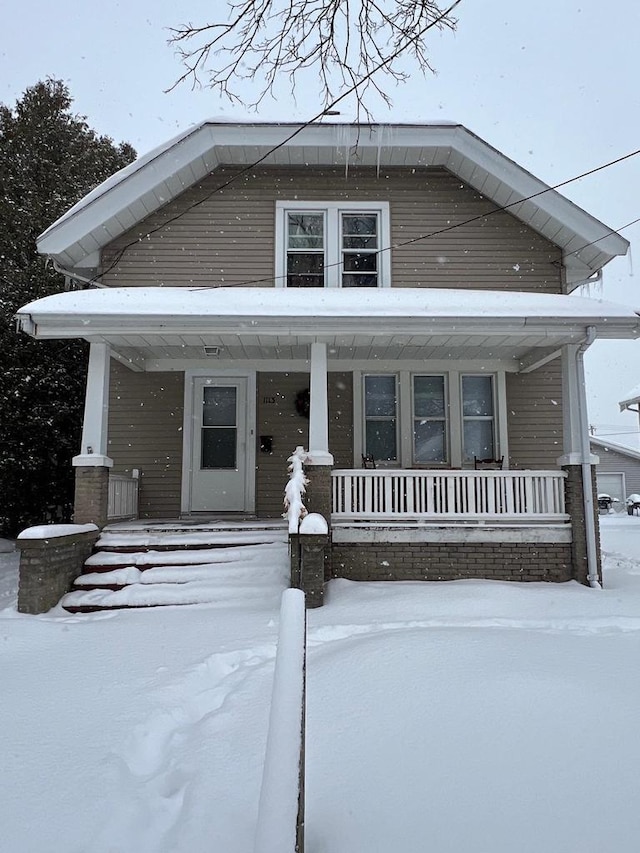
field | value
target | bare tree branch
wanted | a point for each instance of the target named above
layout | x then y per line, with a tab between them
344	41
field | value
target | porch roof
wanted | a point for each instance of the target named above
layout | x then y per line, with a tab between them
397	323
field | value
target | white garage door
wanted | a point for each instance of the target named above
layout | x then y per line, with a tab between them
612	484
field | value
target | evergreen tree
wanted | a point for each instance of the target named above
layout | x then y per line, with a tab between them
49	159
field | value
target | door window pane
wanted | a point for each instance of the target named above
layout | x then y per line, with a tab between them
219	406
219	426
219	447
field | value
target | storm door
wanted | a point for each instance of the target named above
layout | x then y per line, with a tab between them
219	479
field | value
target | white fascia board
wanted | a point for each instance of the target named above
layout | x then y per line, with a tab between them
554	330
525	185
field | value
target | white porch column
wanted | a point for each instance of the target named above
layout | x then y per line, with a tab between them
318	407
573	418
93	452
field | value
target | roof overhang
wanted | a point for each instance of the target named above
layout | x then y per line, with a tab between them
75	240
177	323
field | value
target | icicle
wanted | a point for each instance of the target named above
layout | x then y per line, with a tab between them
630	256
379	150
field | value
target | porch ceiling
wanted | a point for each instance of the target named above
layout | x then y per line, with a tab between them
508	349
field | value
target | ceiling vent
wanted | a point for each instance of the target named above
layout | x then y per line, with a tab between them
212	351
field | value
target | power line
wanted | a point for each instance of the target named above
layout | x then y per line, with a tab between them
291	136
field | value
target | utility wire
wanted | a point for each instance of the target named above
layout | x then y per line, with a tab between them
284	142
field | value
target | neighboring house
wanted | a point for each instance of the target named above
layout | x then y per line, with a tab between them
396	292
617	472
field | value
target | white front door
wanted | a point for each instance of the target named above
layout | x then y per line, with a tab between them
219	442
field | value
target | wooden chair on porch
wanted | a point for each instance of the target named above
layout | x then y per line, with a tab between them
368	461
488	464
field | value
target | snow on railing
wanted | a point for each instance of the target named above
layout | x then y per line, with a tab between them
294	508
123	496
280	825
449	495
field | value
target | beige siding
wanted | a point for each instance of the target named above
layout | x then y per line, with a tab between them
277	417
145	432
226	238
534	412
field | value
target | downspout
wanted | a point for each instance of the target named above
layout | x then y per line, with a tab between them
587	487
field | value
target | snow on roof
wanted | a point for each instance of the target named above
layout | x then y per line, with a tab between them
612	445
248	311
166	302
631	397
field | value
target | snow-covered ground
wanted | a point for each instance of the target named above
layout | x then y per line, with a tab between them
464	717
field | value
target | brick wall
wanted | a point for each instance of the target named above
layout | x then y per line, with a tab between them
91	496
574	500
451	561
48	568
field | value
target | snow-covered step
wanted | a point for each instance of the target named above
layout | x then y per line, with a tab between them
204	539
232	574
166	594
106	560
142	568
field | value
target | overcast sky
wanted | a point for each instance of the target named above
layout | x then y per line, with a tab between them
554	85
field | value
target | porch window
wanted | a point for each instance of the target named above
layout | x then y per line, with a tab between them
381	417
429	420
478	417
332	244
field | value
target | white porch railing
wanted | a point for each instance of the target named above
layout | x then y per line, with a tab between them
123	497
396	495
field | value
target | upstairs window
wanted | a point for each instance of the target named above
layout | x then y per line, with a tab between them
305	249
332	244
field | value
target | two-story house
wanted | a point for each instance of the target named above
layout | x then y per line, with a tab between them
388	296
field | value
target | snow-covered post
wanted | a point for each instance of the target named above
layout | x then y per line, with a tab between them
280	826
295	509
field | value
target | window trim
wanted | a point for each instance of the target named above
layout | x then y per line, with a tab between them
333	237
